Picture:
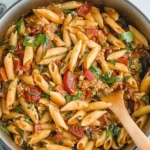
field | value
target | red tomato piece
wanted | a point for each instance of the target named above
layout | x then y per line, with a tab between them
87	94
57	10
59	89
57	62
32	94
37	128
92	31
17	64
27	69
84	9
58	137
124	61
77	131
69	82
19	53
88	74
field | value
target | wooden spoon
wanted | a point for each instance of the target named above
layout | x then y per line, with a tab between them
119	109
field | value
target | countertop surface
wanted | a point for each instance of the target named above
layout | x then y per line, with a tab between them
143	5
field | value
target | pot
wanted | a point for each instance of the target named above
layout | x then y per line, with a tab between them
124	7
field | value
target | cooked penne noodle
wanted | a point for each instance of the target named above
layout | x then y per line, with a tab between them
67	135
66	37
11	94
12	115
115	41
122	137
112	13
118	67
100	141
48	60
145	84
104	65
56	146
39	54
67	20
58	41
89	145
141	121
109	21
95	123
82	143
141	111
24	125
9	66
50	15
116	55
73	38
5	110
18	140
74	56
31	112
39	80
90	118
97	16
76	117
1	108
68	143
27	79
55	74
108	142
45	118
97	106
28	55
13	39
75	105
36	137
89	16
10	31
70	5
57	117
13	129
82	36
48	126
137	35
55	51
57	98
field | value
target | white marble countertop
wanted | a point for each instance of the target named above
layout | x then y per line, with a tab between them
143	5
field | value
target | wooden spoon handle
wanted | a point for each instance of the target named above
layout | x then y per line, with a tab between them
139	138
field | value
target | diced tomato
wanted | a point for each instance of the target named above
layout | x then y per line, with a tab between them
88	74
92	31
69	82
87	94
57	10
57	62
77	131
32	94
84	9
58	137
93	38
124	61
17	64
105	120
37	128
59	89
27	69
35	30
19	53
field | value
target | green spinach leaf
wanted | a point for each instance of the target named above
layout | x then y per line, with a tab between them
20	110
4	129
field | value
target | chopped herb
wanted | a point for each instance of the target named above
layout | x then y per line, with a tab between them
113	62
62	66
12	47
66	11
27	119
44	95
68	116
131	64
107	133
95	71
127	36
50	88
18	24
24	145
140	67
127	78
61	143
1	43
74	14
104	44
114	129
21	132
4	129
128	47
29	106
39	39
145	99
70	98
89	133
20	110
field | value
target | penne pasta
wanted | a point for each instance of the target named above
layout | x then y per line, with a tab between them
13	129
73	38
55	146
10	31
75	105
45	118
18	140
89	145
116	55
100	141
66	37
70	5
141	121
27	79
13	39
39	54
12	115
82	143
58	41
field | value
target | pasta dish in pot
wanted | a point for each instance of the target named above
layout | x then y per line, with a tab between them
56	63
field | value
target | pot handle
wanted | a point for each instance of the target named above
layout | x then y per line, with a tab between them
2	8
